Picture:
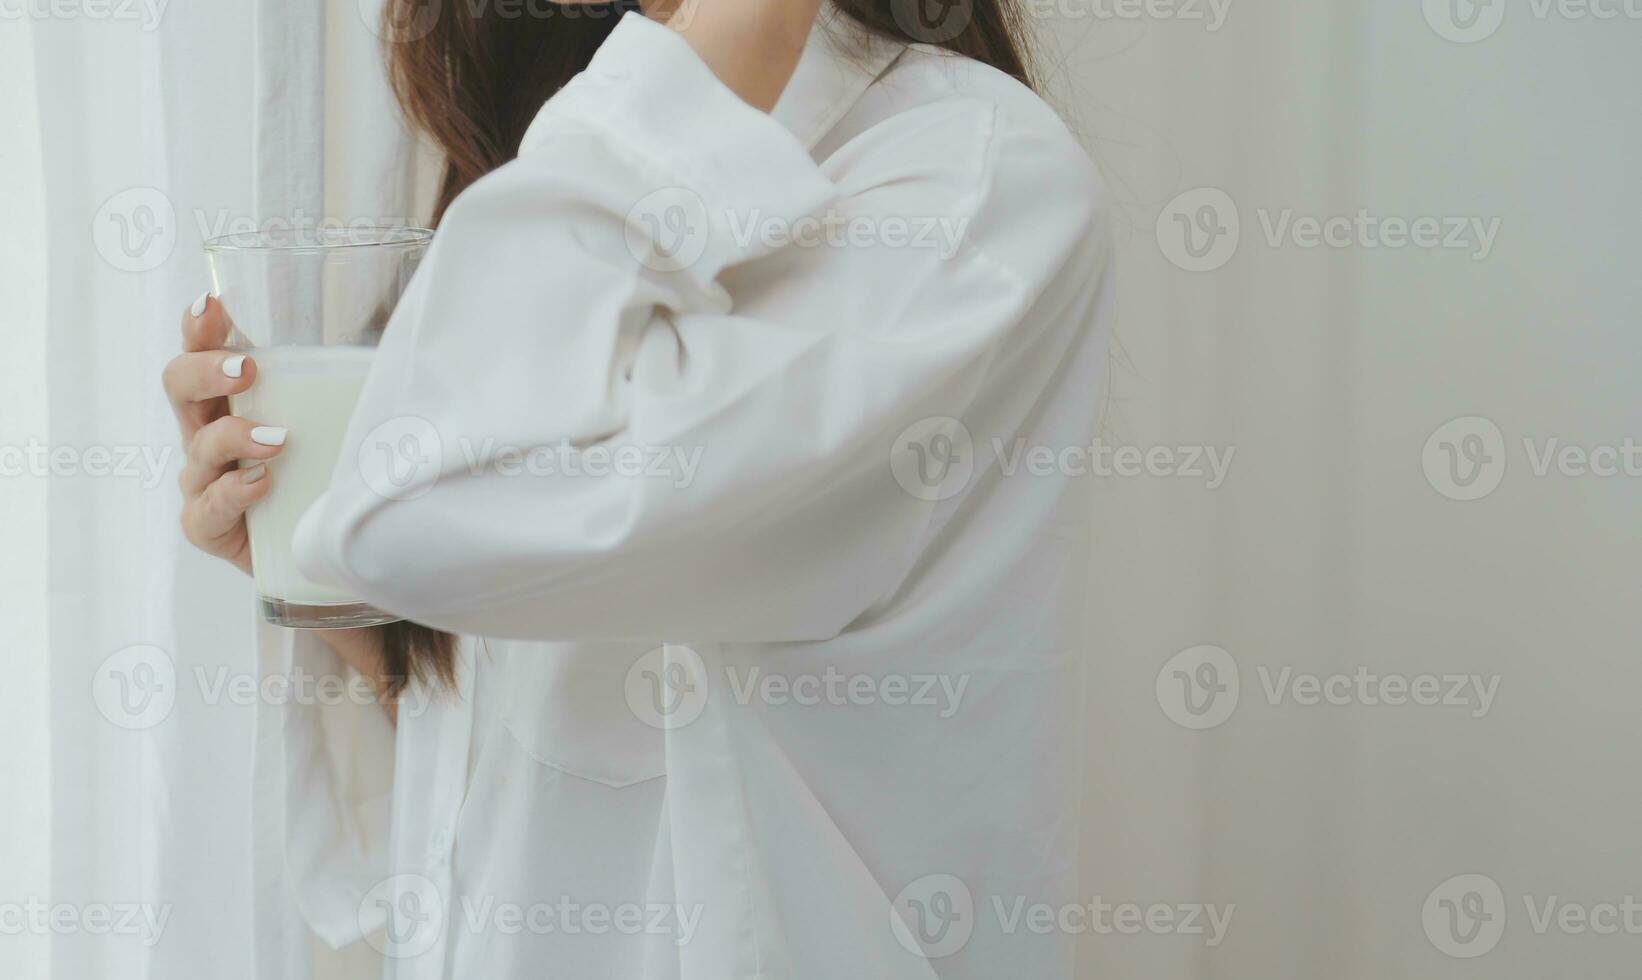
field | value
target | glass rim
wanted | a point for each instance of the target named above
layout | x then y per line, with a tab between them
323	239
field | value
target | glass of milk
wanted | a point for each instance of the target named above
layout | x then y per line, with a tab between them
308	305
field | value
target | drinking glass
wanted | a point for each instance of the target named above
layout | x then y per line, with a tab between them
308	305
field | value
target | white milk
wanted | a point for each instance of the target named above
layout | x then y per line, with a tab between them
312	392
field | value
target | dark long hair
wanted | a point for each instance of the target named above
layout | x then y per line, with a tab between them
472	76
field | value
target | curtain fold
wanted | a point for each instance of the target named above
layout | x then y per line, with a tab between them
151	134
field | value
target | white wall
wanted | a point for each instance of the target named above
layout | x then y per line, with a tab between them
1329	549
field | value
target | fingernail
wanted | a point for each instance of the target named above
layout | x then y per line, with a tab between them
252	474
268	435
199	305
234	366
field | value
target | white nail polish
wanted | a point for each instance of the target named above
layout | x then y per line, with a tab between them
234	366
252	474
268	435
198	308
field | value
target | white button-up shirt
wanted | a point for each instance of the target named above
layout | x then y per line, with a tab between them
742	441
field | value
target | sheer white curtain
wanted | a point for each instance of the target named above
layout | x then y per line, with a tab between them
129	133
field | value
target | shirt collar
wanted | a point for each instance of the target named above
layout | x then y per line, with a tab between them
841	60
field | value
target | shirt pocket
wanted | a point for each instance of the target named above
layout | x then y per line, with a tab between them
566	705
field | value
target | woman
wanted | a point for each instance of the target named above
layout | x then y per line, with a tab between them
799	696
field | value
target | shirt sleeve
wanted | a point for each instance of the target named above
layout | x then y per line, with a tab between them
571	431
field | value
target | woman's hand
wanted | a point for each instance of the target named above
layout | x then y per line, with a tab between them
753	46
215	491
